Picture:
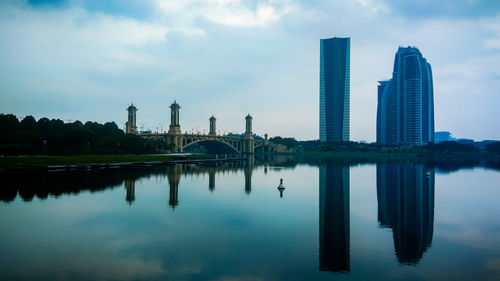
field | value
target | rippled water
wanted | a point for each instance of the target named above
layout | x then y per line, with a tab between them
336	219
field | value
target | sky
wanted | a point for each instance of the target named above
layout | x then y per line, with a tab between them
88	60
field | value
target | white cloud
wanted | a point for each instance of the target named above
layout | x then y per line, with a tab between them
228	12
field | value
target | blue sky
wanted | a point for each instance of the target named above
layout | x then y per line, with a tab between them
87	60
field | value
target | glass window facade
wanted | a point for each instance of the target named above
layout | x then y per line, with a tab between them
334	89
405	111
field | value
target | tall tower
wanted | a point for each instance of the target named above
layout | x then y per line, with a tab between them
334	89
174	118
212	126
405	111
248	143
174	135
131	127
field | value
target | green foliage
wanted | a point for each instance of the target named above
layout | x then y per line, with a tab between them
493	147
54	137
451	146
8	122
288	142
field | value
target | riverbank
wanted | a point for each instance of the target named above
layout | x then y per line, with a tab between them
403	155
19	161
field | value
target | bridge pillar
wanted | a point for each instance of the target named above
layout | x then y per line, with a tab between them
130	126
174	135
212	126
248	141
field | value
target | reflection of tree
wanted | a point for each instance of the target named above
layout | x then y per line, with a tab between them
42	184
334	218
405	194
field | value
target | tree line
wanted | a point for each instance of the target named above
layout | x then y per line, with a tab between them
55	137
442	147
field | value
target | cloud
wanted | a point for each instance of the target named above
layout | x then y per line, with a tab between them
444	8
229	12
46	3
233	57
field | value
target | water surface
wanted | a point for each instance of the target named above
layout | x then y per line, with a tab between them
336	220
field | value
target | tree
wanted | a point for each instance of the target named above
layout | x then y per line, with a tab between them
8	122
451	146
493	147
28	123
288	142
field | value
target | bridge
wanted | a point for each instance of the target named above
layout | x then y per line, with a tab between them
178	141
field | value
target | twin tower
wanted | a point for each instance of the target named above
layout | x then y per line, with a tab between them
405	111
177	140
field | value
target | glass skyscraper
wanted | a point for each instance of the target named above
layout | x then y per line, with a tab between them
334	94
405	111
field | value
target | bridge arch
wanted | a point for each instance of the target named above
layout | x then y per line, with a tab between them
212	140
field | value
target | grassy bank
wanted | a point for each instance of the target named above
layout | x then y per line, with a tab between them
13	161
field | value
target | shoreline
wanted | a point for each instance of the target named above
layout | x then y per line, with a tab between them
70	162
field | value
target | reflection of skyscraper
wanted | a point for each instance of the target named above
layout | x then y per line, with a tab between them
405	194
174	177
334	218
334	93
130	187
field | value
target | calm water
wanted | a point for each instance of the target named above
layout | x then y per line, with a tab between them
335	220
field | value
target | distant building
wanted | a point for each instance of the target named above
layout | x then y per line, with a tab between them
443	136
130	126
334	89
405	111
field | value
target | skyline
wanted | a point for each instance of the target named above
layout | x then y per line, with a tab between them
86	60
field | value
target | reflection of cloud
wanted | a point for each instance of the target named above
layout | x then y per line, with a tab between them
241	278
493	264
472	235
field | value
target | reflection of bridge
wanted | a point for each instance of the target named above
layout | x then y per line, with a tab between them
178	141
175	172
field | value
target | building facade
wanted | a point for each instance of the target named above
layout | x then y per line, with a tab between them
334	89
405	110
